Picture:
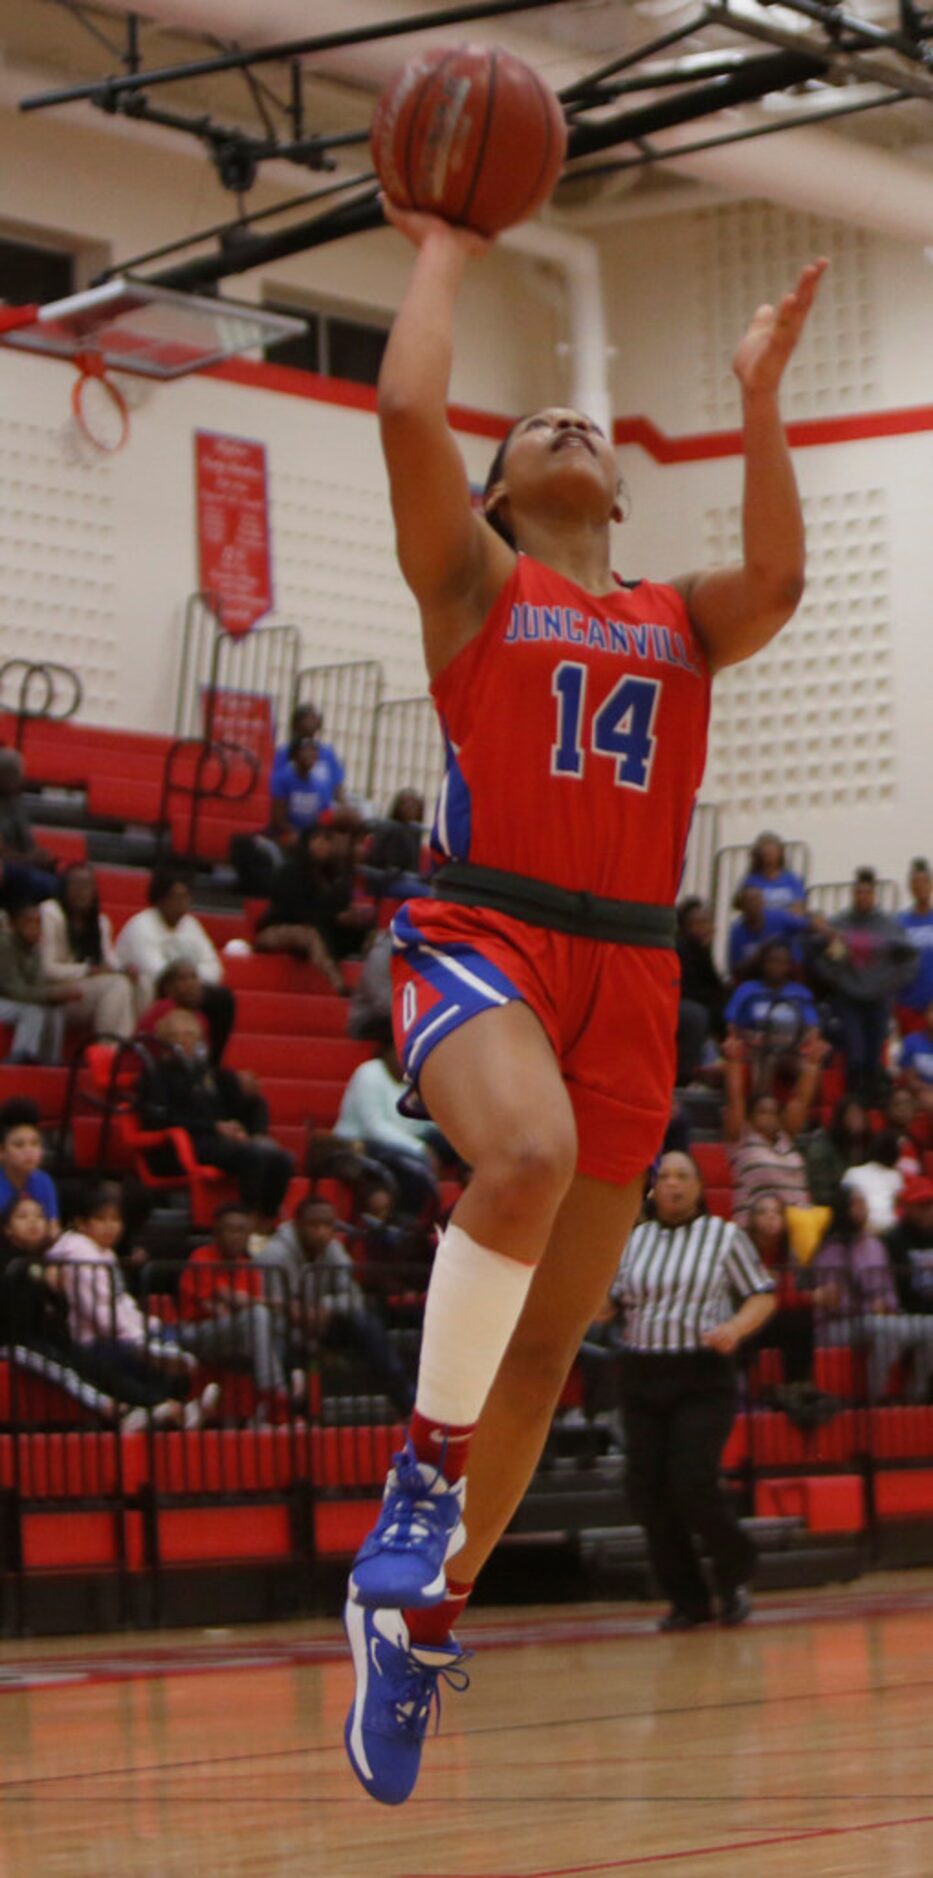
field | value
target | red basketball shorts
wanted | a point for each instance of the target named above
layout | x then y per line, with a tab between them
610	1012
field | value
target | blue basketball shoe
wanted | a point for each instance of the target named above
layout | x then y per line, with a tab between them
397	1687
400	1566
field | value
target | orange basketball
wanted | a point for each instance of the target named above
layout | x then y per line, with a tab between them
470	134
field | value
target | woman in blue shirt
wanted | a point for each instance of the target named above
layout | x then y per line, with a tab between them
782	890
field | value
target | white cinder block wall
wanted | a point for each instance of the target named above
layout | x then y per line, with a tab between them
827	736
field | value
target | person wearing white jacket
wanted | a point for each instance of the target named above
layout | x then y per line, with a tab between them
76	947
167	930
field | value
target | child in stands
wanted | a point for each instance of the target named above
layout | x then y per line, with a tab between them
21	1170
140	1359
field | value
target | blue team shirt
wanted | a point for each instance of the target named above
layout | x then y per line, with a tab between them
326	754
917	1053
783	890
39	1186
753	1003
306	797
919	930
777	925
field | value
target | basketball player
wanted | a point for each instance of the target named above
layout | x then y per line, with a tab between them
536	995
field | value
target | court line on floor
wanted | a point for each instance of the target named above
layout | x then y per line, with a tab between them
696	1851
336	1748
51	1672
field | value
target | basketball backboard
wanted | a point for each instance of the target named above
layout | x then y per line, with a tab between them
132	326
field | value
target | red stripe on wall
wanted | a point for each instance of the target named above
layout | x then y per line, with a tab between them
806	434
293	383
701	446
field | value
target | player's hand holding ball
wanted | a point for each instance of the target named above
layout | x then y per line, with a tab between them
468	134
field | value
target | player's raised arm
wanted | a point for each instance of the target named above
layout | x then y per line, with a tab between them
736	610
451	559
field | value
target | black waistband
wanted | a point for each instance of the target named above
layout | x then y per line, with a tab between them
620	922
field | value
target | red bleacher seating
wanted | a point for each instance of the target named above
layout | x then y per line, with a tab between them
327	1059
712	1159
719	1201
68	845
277	1013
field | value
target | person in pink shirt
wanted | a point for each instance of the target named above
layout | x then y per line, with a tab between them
138	1359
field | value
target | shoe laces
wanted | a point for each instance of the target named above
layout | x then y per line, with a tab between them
421	1691
412	1509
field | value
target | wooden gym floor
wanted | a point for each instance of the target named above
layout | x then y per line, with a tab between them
800	1745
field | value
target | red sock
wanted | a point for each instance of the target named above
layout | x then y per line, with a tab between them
436	1624
442	1445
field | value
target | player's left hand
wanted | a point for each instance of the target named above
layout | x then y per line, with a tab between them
773	333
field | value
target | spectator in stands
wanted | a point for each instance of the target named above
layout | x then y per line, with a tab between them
29	1000
178	988
773	1014
300	793
762	1135
227	1123
755	926
386	1243
912	1125
324	1306
702	992
17	841
224	1315
879	1180
296	800
769	872
832	1150
310	911
917	922
34	1319
308	721
369	1118
20	884
863	959
138	1359
76	948
21	1170
690	1289
916	1064
910	1245
790	1329
395	847
167	930
856	1302
370	1012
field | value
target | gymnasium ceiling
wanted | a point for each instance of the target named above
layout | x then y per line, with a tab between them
863	75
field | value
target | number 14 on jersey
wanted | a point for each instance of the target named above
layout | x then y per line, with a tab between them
622	727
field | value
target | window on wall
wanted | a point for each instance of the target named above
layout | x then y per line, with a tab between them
30	273
334	344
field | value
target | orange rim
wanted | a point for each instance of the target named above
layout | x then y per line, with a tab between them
108	431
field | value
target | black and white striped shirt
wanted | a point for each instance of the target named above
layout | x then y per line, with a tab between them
677	1282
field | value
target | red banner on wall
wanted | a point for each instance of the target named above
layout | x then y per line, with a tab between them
243	717
234	544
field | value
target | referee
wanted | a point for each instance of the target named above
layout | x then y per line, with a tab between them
690	1287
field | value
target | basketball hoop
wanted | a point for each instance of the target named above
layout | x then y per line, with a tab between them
141	333
98	405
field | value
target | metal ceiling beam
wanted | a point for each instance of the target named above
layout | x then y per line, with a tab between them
773	72
116	86
802	121
352	218
898	73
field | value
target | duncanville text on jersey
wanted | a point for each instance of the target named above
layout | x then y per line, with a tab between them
567	625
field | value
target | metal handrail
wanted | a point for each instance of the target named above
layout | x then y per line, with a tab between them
209	750
26	712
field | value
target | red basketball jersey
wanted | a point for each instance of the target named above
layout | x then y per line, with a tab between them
576	737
